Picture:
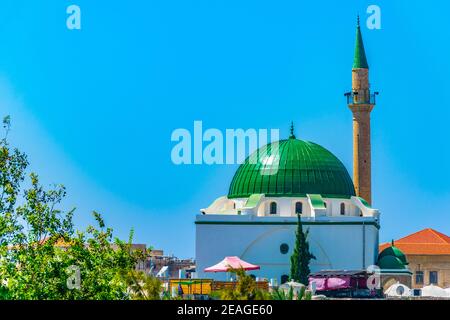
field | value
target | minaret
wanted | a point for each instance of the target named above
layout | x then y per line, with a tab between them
361	102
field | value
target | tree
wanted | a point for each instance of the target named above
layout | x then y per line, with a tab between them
142	286
245	288
42	256
301	256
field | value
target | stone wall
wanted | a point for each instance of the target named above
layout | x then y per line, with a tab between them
427	263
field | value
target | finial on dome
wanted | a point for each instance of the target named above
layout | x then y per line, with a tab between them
357	21
292	136
392	243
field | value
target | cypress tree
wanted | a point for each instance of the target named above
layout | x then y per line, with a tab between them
301	256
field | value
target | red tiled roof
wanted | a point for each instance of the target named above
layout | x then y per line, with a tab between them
426	242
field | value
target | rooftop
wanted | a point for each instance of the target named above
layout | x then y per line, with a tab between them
425	242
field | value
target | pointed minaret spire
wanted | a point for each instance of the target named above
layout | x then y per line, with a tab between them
360	60
292	136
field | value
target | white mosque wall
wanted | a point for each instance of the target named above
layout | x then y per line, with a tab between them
285	206
344	243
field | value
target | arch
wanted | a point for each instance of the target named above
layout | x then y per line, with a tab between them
388	282
271	239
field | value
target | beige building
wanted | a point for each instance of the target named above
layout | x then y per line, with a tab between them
428	255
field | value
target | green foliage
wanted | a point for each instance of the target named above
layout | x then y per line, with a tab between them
143	287
216	294
166	295
307	295
40	250
245	288
301	256
280	294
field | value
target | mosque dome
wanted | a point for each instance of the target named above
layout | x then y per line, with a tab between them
392	258
303	168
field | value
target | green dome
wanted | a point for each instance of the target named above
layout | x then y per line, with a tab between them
304	168
395	252
391	262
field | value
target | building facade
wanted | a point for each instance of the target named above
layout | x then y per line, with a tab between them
428	255
256	221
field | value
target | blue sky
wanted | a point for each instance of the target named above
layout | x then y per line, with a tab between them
95	108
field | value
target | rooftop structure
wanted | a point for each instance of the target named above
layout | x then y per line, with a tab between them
428	254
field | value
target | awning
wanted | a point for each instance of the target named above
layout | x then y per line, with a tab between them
230	263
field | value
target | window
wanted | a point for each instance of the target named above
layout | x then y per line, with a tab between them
419	277
284	248
273	208
342	209
298	208
433	277
284	278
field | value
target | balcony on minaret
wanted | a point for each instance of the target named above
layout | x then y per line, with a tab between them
361	97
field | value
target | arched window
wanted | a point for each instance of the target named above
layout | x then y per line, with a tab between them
273	208
284	278
342	209
298	208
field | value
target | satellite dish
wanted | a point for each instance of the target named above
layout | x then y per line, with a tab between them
400	290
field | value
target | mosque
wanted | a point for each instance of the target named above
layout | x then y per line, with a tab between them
257	220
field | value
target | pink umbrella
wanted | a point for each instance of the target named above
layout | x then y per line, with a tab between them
231	263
